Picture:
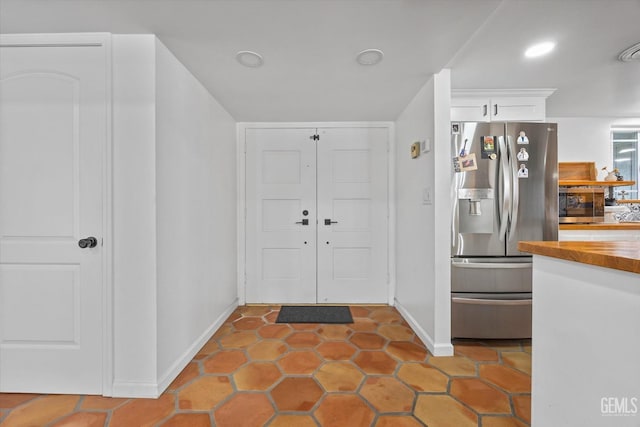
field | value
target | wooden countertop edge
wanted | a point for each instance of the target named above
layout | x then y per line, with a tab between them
624	256
602	226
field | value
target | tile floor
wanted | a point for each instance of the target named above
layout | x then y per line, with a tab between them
254	372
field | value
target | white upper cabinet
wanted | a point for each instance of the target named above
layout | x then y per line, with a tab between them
499	105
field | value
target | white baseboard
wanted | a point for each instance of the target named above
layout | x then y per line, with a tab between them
154	390
437	349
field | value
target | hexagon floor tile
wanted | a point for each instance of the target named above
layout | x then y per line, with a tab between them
373	372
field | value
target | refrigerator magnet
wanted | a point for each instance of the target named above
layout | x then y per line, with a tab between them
523	172
522	155
465	163
488	145
522	138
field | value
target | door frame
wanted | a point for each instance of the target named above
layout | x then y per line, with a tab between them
241	150
102	40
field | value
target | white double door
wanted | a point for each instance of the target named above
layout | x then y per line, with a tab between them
317	215
53	127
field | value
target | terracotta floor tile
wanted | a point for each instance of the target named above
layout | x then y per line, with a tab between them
274	331
296	394
41	411
522	406
341	410
480	396
224	362
493	421
248	323
225	329
293	421
443	411
204	393
84	419
190	372
299	362
143	412
11	400
188	420
266	350
271	317
239	339
477	352
367	340
211	346
100	403
385	316
375	362
359	311
244	410
234	316
364	325
395	332
397	421
339	376
506	378
527	348
454	365
387	394
423	377
519	360
254	310
334	332
407	351
256	376
336	350
505	345
304	326
303	340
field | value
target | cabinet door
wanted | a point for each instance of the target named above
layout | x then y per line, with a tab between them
517	109
470	109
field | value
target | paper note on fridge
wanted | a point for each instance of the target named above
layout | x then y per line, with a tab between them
465	164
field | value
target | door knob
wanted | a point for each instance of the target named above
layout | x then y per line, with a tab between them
305	221
327	221
89	242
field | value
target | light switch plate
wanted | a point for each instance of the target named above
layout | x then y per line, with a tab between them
425	145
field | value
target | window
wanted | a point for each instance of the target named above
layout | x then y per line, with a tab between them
625	157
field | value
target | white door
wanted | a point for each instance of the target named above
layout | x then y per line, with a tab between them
281	216
352	215
52	136
335	179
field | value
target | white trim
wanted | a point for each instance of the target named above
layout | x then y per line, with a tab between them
545	93
241	128
187	356
435	348
98	40
135	390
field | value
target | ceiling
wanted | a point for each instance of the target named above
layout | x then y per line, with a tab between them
309	49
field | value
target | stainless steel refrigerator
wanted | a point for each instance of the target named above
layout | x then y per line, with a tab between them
505	190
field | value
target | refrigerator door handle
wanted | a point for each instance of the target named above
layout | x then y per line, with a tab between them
504	177
515	193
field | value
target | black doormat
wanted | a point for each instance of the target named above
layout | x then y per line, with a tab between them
314	314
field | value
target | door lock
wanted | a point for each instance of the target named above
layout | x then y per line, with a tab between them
305	221
89	242
327	221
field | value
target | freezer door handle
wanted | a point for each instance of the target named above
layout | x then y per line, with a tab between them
477	301
515	192
505	196
491	264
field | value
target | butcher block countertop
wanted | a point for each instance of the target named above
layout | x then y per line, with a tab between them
602	226
620	255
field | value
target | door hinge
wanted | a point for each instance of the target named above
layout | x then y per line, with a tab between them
315	137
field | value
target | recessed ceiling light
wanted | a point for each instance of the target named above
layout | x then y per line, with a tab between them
539	49
631	53
370	57
249	59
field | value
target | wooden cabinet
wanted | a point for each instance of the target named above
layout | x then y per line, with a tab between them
487	106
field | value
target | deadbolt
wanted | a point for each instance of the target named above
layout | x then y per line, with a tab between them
305	212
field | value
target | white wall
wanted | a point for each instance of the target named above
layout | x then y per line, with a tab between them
422	230
588	139
134	215
196	214
174	216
